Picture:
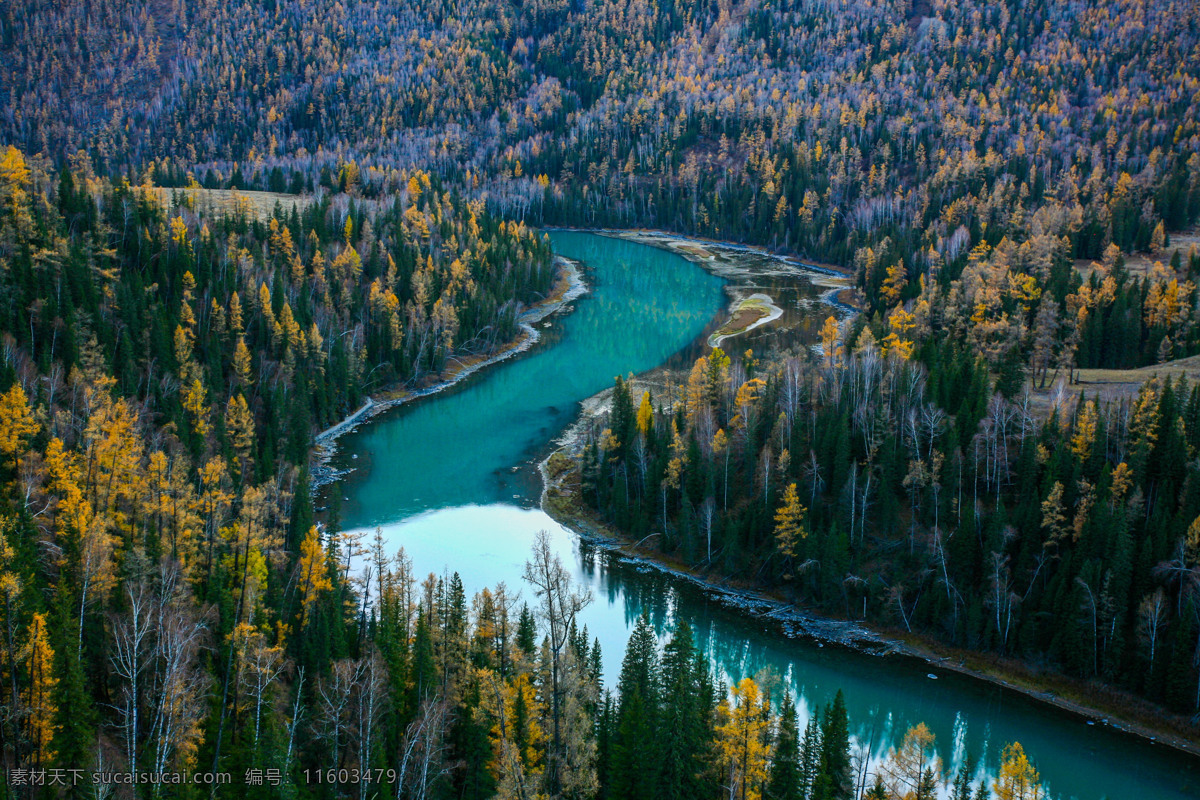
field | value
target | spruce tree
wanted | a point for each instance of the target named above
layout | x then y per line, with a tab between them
962	781
635	749
810	755
785	780
836	779
682	749
526	631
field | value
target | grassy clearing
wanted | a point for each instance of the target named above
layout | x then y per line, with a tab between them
1141	263
257	205
1111	384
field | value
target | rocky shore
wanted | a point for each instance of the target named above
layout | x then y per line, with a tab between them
561	502
569	286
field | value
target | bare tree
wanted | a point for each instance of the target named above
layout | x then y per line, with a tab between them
708	510
259	666
560	604
131	645
333	707
181	682
371	694
423	751
1001	597
1091	604
1152	617
294	722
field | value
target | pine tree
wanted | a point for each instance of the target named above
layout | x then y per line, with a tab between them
835	779
962	780
682	752
423	683
635	743
526	631
810	755
76	720
785	780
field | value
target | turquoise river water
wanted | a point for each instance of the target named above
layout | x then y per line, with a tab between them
452	479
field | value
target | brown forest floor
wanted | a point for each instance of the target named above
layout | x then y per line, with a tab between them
1110	384
1141	263
259	205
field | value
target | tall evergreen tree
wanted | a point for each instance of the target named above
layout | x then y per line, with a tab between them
785	781
636	745
683	699
835	778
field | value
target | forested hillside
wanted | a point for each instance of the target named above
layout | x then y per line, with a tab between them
816	126
170	610
989	172
163	373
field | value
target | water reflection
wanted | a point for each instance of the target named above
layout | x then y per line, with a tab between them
884	695
438	477
460	446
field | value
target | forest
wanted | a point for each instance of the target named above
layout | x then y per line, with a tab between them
171	609
1003	181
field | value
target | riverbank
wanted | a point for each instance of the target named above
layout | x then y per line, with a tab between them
702	247
746	268
569	286
761	284
1096	703
563	507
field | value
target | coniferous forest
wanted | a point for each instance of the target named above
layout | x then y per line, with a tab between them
225	226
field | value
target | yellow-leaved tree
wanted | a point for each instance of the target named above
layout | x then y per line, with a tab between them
1018	780
743	739
10	589
645	415
898	341
789	524
17	423
39	695
894	284
14	184
243	362
314	573
1085	432
913	770
830	333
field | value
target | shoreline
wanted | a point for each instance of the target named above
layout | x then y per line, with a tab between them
569	286
657	237
797	622
736	264
1125	713
794	621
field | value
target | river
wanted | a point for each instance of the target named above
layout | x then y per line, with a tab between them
451	478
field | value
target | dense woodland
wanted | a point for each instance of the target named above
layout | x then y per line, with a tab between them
822	127
890	481
168	601
169	606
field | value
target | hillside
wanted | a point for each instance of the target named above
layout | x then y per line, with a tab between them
223	225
